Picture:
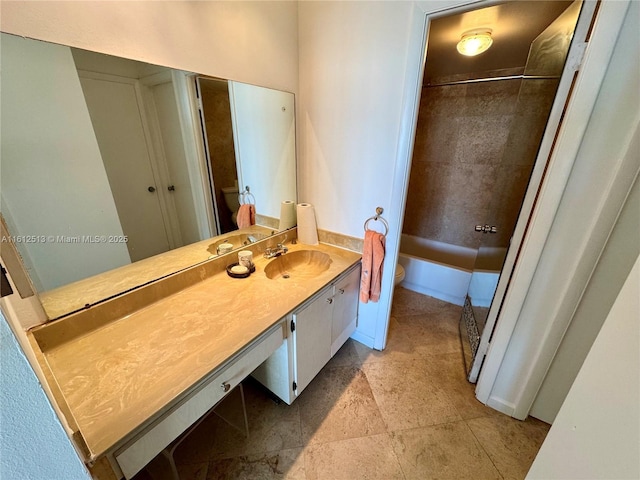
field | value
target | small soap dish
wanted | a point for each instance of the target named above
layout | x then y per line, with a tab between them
235	270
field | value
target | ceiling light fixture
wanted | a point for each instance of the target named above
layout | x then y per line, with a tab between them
474	42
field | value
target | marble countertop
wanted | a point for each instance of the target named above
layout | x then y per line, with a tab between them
117	377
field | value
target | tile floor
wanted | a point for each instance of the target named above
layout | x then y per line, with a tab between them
404	413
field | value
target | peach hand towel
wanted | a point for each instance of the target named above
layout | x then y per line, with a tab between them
246	215
372	260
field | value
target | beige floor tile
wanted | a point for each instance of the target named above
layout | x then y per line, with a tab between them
431	335
407	302
396	348
368	458
511	444
406	396
272	427
400	346
285	464
448	373
338	404
448	451
346	356
195	471
417	335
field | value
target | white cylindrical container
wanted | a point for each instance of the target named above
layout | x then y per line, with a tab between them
287	215
245	257
307	227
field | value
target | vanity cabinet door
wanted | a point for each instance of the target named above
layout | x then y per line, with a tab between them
345	308
312	338
315	332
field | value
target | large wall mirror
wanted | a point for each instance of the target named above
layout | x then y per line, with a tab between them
116	172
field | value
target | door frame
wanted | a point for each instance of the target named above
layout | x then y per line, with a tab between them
197	161
566	144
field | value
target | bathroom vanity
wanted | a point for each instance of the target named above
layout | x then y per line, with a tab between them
316	331
133	373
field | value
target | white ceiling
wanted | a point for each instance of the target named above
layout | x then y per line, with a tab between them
515	25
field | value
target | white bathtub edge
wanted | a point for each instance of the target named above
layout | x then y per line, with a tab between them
455	299
443	282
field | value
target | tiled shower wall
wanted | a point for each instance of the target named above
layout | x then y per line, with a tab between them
474	151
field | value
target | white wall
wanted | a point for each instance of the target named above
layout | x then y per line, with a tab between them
597	431
32	441
44	153
253	42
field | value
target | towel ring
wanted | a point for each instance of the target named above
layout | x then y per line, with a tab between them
246	194
375	218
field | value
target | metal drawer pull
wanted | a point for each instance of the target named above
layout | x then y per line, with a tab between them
330	300
226	386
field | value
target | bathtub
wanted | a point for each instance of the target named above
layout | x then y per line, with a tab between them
436	269
486	273
450	272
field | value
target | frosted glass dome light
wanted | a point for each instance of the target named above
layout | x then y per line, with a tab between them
475	42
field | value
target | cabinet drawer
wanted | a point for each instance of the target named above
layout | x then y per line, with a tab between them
141	450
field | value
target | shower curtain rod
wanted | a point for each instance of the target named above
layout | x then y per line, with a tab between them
493	79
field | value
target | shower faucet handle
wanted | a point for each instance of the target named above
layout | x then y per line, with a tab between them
487	228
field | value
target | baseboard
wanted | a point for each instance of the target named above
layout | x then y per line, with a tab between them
502	406
363	339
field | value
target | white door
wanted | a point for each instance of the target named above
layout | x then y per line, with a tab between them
180	187
118	124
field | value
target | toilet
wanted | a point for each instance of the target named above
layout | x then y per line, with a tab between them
231	199
399	275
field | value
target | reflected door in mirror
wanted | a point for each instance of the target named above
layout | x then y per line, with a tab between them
119	128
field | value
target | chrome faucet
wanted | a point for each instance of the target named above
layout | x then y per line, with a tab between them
276	251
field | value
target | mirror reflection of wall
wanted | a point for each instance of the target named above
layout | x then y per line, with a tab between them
96	147
265	137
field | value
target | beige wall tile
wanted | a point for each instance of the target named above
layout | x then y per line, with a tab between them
465	135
